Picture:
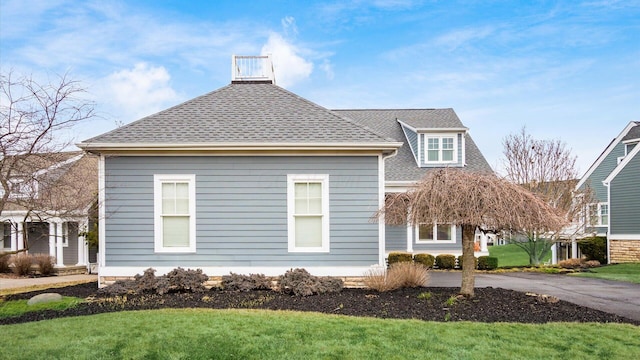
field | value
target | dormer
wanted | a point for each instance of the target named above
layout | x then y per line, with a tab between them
252	69
435	146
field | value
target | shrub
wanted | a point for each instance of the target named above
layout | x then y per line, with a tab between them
475	260
487	263
186	280
178	280
445	261
238	282
578	264
22	264
378	280
45	263
4	262
147	282
594	248
409	274
399	275
396	257
300	283
424	259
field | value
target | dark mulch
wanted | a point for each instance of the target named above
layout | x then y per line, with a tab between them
489	305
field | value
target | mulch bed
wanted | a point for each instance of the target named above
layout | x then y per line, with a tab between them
489	305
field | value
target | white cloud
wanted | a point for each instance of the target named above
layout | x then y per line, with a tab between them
290	67
327	67
140	91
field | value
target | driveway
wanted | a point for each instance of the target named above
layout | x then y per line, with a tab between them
615	297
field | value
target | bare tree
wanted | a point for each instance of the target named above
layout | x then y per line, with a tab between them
548	169
470	200
34	118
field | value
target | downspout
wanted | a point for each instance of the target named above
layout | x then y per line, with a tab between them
381	198
609	222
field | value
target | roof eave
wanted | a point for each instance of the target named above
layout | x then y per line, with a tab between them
126	147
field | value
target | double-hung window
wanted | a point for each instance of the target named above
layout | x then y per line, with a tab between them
441	233
308	212
440	148
599	214
175	213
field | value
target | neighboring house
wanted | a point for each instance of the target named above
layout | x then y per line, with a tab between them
49	206
252	178
614	178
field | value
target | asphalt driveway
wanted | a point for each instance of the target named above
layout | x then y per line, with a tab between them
615	297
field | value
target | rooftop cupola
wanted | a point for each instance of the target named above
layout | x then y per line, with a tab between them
252	69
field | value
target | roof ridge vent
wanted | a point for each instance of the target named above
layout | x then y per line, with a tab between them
252	69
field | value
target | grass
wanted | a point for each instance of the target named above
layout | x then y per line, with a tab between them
620	272
511	255
19	307
252	334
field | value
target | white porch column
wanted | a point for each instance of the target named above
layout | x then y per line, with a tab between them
409	238
14	236
52	238
483	242
82	246
58	238
554	253
19	236
574	248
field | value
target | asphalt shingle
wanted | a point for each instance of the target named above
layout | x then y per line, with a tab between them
403	167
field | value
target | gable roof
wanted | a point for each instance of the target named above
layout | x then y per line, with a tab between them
67	182
403	167
627	159
249	114
634	132
607	150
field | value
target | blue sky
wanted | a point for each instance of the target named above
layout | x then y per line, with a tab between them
564	69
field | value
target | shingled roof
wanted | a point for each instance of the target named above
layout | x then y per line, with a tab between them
242	113
403	167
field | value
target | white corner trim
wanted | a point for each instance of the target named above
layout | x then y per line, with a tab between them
102	218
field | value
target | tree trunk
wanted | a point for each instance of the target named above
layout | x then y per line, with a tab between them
468	261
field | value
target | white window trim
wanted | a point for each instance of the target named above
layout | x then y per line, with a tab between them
291	229
425	146
158	179
435	233
599	215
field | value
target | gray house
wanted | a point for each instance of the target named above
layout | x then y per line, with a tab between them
614	179
252	178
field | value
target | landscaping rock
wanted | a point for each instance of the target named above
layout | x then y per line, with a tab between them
44	298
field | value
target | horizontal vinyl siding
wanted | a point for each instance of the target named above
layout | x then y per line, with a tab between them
395	238
241	210
412	138
625	200
602	171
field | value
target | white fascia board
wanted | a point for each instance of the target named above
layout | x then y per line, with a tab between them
621	166
404	124
398	186
631	141
604	154
59	164
116	147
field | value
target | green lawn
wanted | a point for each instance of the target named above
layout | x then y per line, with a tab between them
619	272
19	307
252	334
511	255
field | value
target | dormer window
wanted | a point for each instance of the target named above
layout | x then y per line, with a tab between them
440	149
